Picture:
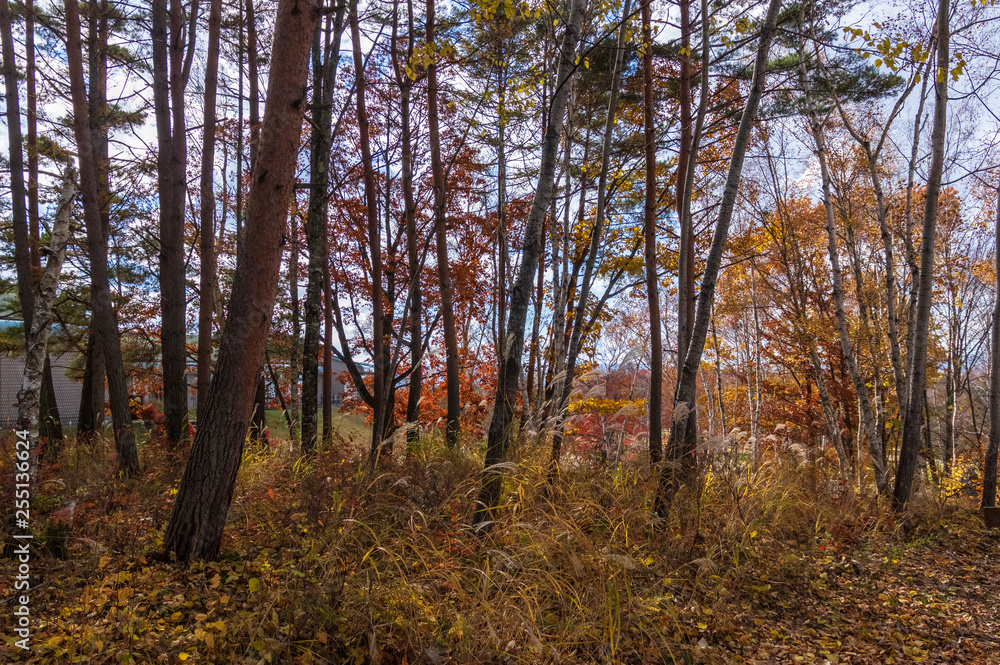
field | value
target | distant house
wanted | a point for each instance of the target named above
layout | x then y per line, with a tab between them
68	390
281	369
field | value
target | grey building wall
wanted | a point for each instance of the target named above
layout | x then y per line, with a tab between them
68	390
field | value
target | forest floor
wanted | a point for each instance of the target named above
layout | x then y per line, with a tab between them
328	562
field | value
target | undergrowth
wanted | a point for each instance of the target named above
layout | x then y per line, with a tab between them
327	561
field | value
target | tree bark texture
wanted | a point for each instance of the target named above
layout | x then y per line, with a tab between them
206	287
993	448
596	234
913	419
685	260
414	262
28	402
374	246
324	72
206	491
509	366
649	236
104	313
25	254
680	447
454	398
860	387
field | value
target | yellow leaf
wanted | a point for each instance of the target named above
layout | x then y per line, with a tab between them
254	585
182	656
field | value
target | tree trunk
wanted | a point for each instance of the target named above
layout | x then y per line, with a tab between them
685	260
993	449
207	238
414	264
911	254
913	418
97	103
41	318
324	71
596	234
718	377
327	354
534	353
860	387
22	243
195	528
253	77
50	428
258	423
649	235
32	126
104	313
294	405
90	416
950	378
452	421
829	412
316	241
374	245
680	445
172	167
509	367
24	252
206	286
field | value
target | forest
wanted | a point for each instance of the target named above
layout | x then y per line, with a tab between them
500	331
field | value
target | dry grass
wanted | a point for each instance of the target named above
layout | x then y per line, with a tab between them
329	562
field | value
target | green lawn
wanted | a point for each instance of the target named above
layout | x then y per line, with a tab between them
346	425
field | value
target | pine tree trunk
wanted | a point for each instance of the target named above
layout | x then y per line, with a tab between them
24	254
596	234
97	103
509	369
680	445
253	77
206	491
324	71
207	237
32	133
173	138
104	313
